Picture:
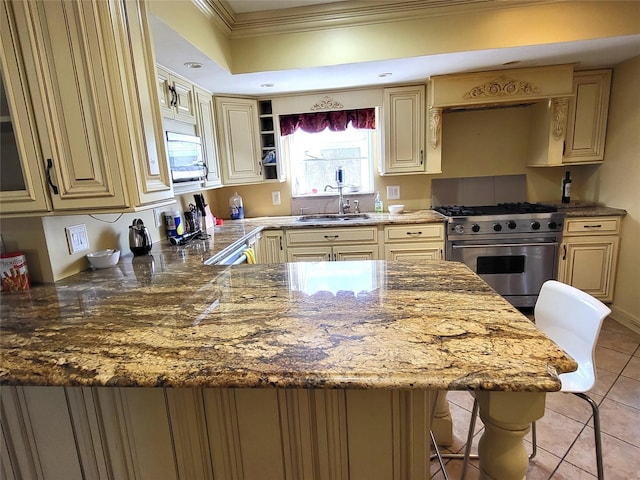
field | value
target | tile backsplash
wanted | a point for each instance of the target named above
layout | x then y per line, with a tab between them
479	190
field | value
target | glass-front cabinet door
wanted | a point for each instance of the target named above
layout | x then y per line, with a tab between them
22	179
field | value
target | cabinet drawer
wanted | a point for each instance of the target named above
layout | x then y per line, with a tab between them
332	235
592	226
414	252
414	233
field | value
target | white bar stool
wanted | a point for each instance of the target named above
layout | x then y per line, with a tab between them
572	319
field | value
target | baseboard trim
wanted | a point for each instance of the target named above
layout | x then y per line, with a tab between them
625	318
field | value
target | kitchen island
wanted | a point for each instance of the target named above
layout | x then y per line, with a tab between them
307	370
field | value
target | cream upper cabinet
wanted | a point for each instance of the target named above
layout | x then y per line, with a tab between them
239	140
589	253
206	130
145	158
176	96
571	130
587	119
89	75
22	178
404	131
332	244
414	243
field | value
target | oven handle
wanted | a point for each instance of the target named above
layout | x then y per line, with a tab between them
484	245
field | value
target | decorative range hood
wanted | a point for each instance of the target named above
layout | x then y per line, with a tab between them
514	86
548	89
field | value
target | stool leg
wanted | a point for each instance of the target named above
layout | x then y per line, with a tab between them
596	432
467	448
534	440
439	456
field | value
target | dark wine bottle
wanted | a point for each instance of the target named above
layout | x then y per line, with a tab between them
566	188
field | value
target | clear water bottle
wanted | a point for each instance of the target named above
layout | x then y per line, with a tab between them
235	206
377	204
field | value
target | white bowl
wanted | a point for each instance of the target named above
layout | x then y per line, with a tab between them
395	209
104	258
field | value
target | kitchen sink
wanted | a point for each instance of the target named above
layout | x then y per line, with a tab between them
332	217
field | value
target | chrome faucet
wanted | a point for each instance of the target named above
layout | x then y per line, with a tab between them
343	205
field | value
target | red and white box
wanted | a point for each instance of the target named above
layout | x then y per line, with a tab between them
15	275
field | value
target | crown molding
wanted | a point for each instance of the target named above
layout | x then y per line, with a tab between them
353	13
220	12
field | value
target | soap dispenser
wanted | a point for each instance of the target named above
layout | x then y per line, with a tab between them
377	204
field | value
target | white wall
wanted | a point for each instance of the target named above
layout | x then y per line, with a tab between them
44	243
618	184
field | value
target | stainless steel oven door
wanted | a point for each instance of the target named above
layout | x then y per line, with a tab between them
515	270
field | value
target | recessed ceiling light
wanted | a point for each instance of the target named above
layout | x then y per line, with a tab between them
193	65
386	74
267	85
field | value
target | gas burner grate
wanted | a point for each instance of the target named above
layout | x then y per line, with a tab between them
457	211
499	209
526	207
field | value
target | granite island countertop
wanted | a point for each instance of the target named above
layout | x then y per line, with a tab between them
168	320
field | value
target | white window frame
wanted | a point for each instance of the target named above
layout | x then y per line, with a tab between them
374	149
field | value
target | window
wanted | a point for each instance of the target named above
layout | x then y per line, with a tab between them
315	157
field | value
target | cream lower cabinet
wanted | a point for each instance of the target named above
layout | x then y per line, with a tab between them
272	247
588	255
414	243
332	244
91	133
203	434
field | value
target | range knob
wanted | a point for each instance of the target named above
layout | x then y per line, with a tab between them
535	225
458	229
497	227
475	228
511	225
553	225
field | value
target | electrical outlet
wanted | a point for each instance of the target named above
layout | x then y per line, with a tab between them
77	238
275	198
393	192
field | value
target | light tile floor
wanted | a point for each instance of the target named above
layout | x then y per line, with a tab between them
565	433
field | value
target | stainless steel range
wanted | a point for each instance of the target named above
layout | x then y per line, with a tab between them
512	246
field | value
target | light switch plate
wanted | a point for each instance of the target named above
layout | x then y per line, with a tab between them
393	192
275	198
77	238
157	216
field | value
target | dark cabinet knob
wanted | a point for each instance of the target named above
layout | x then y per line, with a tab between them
511	225
475	228
497	227
535	225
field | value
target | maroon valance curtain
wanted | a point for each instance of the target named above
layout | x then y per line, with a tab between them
337	121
